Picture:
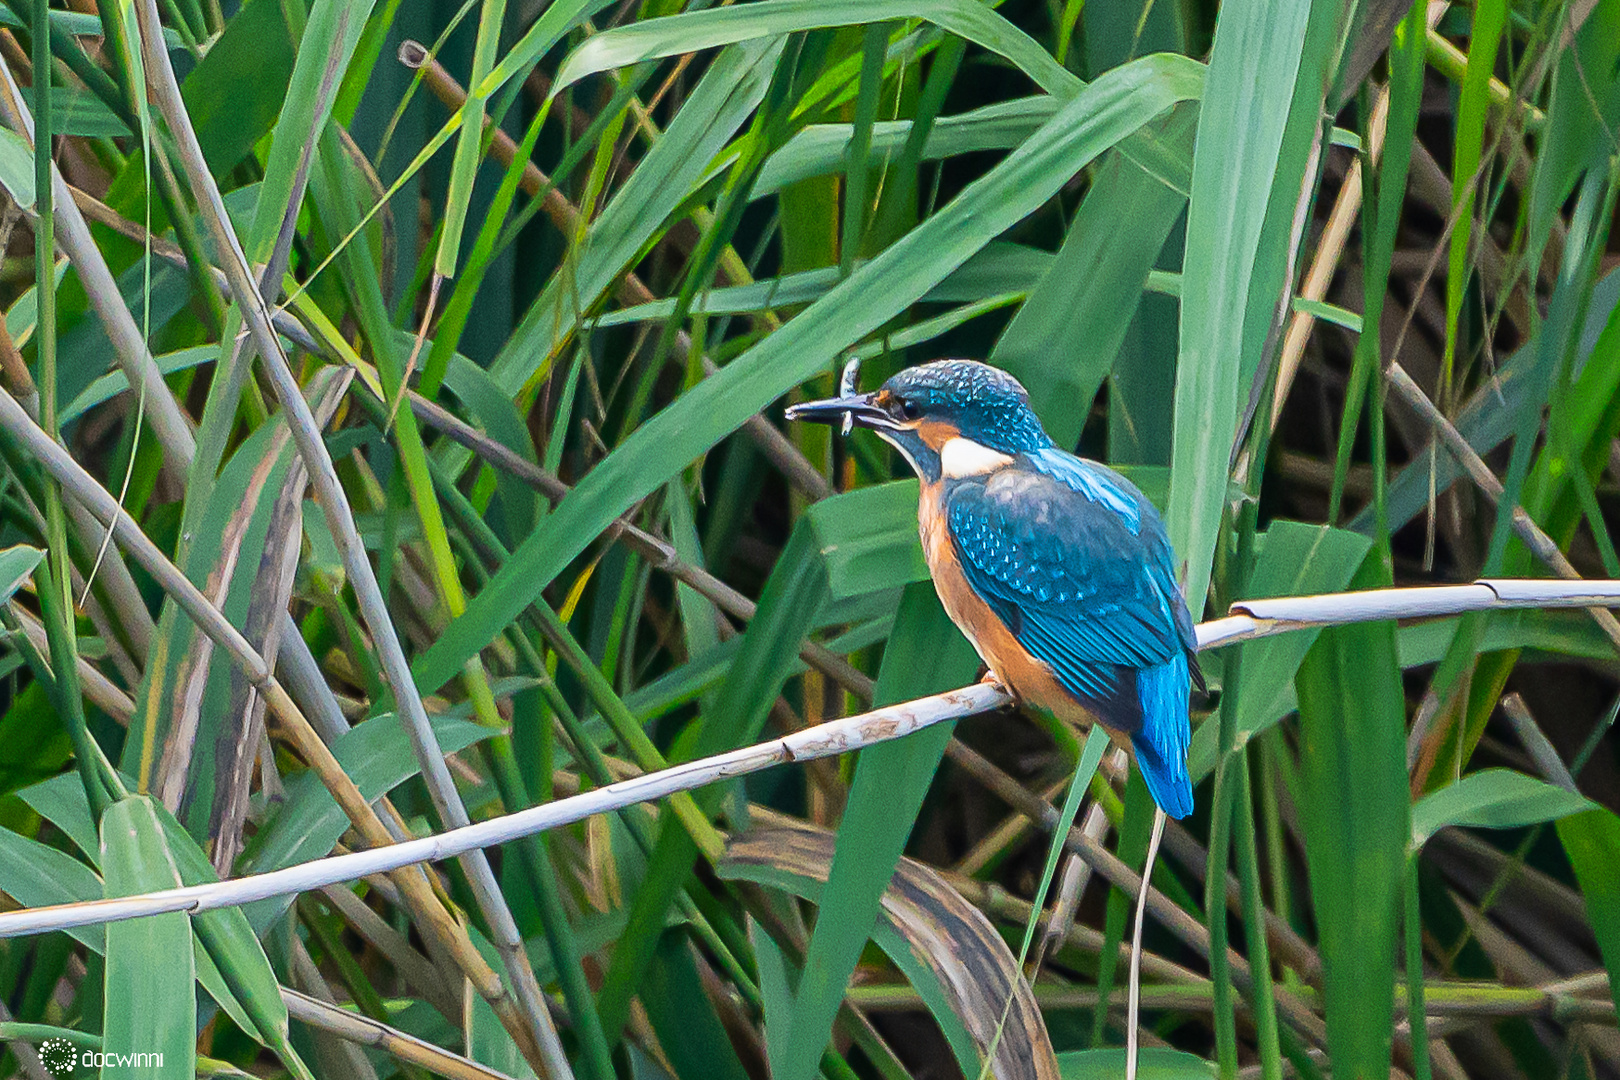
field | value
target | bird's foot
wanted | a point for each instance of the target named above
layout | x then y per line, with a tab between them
990	678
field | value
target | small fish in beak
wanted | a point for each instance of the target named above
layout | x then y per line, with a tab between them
847	410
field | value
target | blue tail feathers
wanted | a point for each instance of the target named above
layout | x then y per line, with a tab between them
1161	742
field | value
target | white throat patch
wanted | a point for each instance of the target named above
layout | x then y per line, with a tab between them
961	457
898	445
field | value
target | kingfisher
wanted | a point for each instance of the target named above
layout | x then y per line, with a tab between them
1056	568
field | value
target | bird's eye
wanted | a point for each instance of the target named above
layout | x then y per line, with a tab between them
910	409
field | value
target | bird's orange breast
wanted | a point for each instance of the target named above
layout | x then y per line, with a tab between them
1025	675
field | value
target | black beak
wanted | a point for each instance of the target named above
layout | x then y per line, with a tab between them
858	408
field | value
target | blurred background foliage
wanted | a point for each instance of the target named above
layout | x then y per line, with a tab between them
458	337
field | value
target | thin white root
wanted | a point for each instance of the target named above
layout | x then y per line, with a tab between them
1133	1008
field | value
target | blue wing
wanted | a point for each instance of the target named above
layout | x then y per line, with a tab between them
1076	562
1080	571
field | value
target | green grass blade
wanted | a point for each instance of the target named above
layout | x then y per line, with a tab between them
1257	56
1356	817
874	50
821	149
770	650
1087	298
151	1009
1492	799
1490	18
713	27
1592	842
464	166
1585	99
16	566
682	1015
329	39
1156	1063
1522	382
1383	192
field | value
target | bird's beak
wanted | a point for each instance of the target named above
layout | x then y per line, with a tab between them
858	409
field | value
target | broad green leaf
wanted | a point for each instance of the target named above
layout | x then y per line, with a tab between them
61	801
113	383
1098	117
1568	633
235	951
1492	799
868	539
1585	99
1592	842
653	39
328	42
150	1029
1353	795
34	744
1240	168
1062	343
236	91
16	564
37	875
85	115
17	168
1156	1063
682	1015
821	149
777	982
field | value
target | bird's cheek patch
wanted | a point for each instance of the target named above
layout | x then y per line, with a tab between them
961	457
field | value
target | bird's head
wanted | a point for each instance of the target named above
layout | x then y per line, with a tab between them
950	418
